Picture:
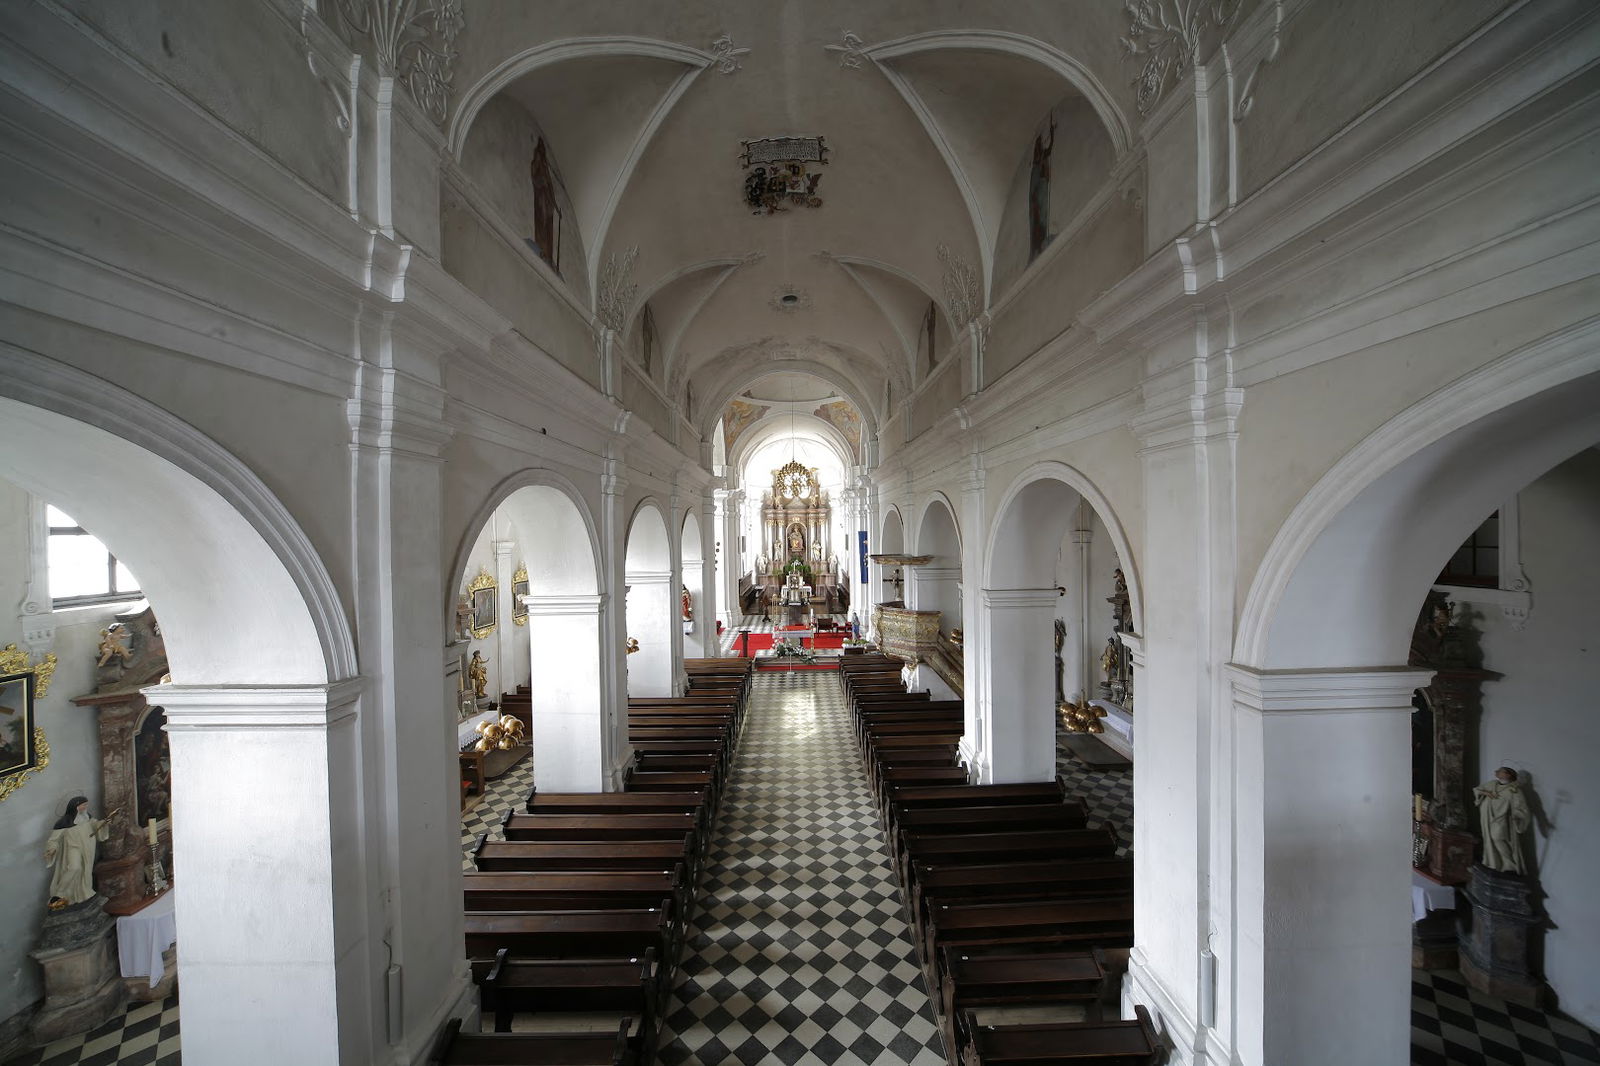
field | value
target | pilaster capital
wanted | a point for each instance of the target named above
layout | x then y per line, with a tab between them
1019	599
253	708
564	606
1340	691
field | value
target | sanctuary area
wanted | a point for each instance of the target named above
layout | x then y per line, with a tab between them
819	532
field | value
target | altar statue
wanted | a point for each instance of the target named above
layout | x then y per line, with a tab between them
478	670
70	851
1504	817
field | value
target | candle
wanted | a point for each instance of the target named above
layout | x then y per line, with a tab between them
151	826
1416	807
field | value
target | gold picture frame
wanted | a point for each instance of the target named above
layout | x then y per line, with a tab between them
519	589
483	595
23	748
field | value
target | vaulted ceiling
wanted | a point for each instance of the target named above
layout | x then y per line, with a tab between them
929	112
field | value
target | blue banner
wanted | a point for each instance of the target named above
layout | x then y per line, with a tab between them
863	535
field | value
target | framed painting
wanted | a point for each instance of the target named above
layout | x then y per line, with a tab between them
483	595
23	751
519	589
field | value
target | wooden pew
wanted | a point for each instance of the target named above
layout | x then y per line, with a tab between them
939	850
1049	879
573	934
627	987
972	982
536	856
623	826
1022	925
1102	1043
455	1048
614	802
572	889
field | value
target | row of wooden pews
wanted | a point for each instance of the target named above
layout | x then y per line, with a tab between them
576	920
1022	910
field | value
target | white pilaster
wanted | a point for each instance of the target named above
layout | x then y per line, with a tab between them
271	908
1018	742
503	671
570	724
1322	828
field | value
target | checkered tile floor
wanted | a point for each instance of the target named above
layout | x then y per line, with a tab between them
1453	1025
799	952
147	1035
509	790
1108	794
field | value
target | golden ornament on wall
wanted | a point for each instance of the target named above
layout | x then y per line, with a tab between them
23	748
519	589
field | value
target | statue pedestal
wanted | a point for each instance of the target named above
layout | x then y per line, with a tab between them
82	986
1494	936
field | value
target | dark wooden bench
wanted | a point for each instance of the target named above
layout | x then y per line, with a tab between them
455	1048
614	802
537	856
979	849
1052	879
1022	925
573	934
1101	1043
629	987
1019	980
572	889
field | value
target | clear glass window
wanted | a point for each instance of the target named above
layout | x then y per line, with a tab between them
82	570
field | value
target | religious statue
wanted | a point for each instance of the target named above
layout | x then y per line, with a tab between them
1061	640
478	670
112	645
797	540
70	851
1108	658
686	604
1504	816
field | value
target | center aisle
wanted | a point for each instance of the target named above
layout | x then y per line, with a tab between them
800	952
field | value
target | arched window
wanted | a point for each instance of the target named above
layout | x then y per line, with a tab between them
83	572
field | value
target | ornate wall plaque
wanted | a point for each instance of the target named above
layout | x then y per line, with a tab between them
482	594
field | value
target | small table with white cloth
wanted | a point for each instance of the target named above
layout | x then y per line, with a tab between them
143	936
1429	895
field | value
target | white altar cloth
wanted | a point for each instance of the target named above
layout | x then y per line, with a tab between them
142	937
1427	895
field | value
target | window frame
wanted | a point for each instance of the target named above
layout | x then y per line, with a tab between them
98	599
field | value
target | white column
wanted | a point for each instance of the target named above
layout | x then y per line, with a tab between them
1322	825
651	602
570	750
617	752
974	622
1019	702
934	588
704	584
266	803
1087	637
503	671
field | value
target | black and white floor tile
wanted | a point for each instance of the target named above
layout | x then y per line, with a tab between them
506	792
147	1035
1108	794
1454	1025
799	952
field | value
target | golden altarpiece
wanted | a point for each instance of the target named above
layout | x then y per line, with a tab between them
796	524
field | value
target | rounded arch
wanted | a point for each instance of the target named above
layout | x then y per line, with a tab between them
891	531
1011	534
1405	497
1016	44
938	531
207	529
648	548
691	539
764	432
548	53
711	413
554	519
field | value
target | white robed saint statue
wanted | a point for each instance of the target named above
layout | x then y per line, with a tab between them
1504	817
70	849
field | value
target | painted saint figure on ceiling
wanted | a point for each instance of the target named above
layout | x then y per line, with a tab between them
1039	191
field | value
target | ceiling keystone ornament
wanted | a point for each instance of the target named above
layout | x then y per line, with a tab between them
415	40
962	292
852	52
1166	35
788	299
780	173
727	58
616	293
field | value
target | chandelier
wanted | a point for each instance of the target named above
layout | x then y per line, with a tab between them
791	481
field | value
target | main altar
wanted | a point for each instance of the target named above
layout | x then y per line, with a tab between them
796	567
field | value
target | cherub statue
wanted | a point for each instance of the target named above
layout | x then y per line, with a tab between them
112	646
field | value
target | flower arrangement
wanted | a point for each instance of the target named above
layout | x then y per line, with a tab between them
789	649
